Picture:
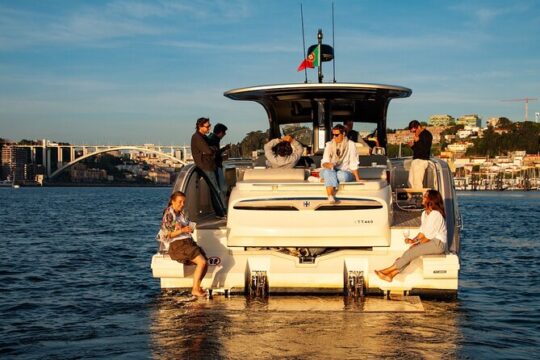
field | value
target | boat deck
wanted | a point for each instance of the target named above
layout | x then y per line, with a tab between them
405	218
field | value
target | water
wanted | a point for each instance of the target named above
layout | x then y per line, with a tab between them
75	283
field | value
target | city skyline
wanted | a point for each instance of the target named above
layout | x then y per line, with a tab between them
142	72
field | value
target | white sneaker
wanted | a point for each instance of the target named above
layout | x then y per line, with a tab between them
313	179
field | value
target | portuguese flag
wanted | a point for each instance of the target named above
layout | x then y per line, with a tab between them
312	60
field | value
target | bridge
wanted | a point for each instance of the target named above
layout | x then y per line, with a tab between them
57	157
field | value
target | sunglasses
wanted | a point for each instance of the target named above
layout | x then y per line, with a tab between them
336	135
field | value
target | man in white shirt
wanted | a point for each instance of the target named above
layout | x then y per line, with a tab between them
339	162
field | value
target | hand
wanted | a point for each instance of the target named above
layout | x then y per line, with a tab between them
187	229
328	165
410	143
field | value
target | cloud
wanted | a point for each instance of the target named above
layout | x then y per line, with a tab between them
254	48
92	25
487	14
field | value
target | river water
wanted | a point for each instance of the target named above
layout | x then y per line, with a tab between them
76	283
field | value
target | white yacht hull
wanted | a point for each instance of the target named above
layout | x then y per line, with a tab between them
328	273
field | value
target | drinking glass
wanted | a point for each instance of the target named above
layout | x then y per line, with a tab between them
406	233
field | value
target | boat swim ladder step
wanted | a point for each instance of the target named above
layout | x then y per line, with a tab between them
355	286
258	285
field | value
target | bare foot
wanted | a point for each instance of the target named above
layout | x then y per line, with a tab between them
198	293
383	276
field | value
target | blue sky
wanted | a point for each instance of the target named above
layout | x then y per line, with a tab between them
137	72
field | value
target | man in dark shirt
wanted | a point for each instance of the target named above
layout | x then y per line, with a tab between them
214	140
351	134
421	147
204	157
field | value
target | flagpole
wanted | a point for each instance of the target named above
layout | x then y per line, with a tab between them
303	41
319	38
333	44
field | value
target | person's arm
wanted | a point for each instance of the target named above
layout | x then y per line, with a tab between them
270	156
298	149
325	162
353	160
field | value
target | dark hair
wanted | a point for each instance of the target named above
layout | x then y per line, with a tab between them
173	196
339	127
200	122
283	148
348	120
219	128
435	201
414	124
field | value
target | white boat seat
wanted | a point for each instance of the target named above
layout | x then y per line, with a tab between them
372	173
274	175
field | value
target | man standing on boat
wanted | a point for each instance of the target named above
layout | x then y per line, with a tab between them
339	162
214	140
204	157
421	147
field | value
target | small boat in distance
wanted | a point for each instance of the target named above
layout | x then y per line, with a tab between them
281	234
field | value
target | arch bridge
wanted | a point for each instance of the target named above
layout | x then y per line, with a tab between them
116	148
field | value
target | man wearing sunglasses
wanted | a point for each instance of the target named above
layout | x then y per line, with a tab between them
339	162
204	157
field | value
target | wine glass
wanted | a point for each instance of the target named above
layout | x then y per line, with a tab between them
406	233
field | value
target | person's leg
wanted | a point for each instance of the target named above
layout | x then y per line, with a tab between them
198	275
214	184
330	181
344	176
431	247
416	173
222	185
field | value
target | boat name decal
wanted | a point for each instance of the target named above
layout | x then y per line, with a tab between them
361	221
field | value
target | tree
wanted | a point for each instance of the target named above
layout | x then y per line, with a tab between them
504	123
254	140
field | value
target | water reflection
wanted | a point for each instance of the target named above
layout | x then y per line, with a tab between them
299	327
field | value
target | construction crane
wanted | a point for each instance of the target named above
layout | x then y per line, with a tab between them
526	100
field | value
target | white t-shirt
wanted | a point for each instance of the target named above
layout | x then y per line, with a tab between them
433	226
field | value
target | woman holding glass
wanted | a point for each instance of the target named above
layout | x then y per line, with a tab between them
175	234
431	240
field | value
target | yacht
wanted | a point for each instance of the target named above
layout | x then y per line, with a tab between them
281	235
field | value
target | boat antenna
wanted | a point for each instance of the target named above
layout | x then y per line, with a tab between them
303	41
333	44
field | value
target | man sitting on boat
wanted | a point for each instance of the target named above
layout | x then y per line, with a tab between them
339	162
283	152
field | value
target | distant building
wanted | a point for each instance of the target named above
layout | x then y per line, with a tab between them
441	120
159	177
81	173
16	163
471	120
404	136
459	148
494	121
472	132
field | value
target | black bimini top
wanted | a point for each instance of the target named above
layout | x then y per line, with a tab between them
323	104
